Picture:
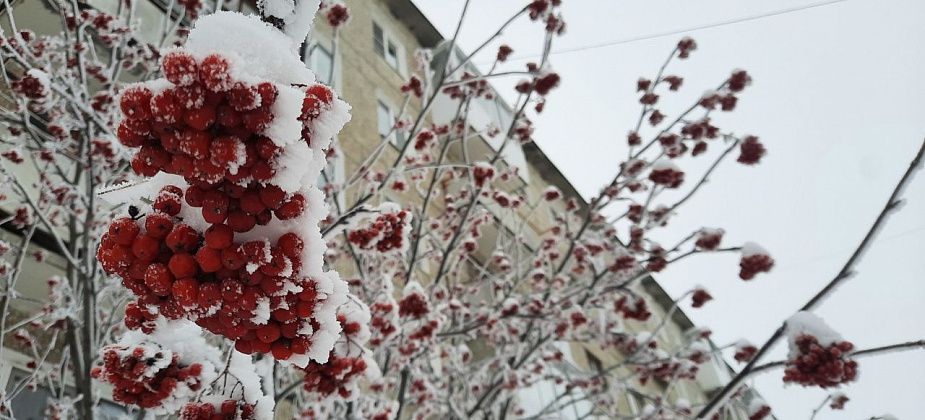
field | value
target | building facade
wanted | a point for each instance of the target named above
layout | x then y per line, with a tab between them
373	56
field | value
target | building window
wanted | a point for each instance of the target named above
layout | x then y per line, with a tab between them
387	48
386	120
321	62
386	116
378	39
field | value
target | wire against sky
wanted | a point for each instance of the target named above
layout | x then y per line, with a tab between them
680	31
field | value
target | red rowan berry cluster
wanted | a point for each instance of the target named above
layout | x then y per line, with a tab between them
146	375
819	365
751	151
758	411
700	297
638	309
208	128
413	305
838	401
709	239
387	232
754	260
745	351
178	272
337	14
333	376
666	174
226	410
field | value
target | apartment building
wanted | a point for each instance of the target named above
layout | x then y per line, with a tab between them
372	59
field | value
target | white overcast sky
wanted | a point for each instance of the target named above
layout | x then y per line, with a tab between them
839	99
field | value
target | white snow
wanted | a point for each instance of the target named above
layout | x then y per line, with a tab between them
808	323
664	164
244	370
751	248
258	49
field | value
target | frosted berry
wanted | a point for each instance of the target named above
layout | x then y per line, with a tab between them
219	236
135	102
180	68
214	73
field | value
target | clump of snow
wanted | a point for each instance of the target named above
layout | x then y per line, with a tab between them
242	368
664	164
42	78
751	248
808	323
256	45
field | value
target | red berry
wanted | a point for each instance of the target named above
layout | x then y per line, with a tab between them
215	206
231	291
209	294
158	225
227	117
165	108
266	149
251	202
194	196
226	150
268	93
281	350
209	259
240	221
257	120
181	165
190	97
300	345
219	236
159	279
200	119
243	97
292	208
268	333
264	217
179	68
244	346
124	230
233	258
183	238
129	137
262	171
290	244
182	265
322	92
145	248
214	73
186	291
277	265
135	102
167	203
195	143
272	196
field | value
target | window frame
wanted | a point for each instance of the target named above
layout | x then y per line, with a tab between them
383	42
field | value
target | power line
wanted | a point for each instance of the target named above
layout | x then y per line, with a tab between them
680	31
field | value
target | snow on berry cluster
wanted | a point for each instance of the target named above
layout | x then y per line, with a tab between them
159	372
755	259
227	409
349	360
818	355
146	375
233	137
387	232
